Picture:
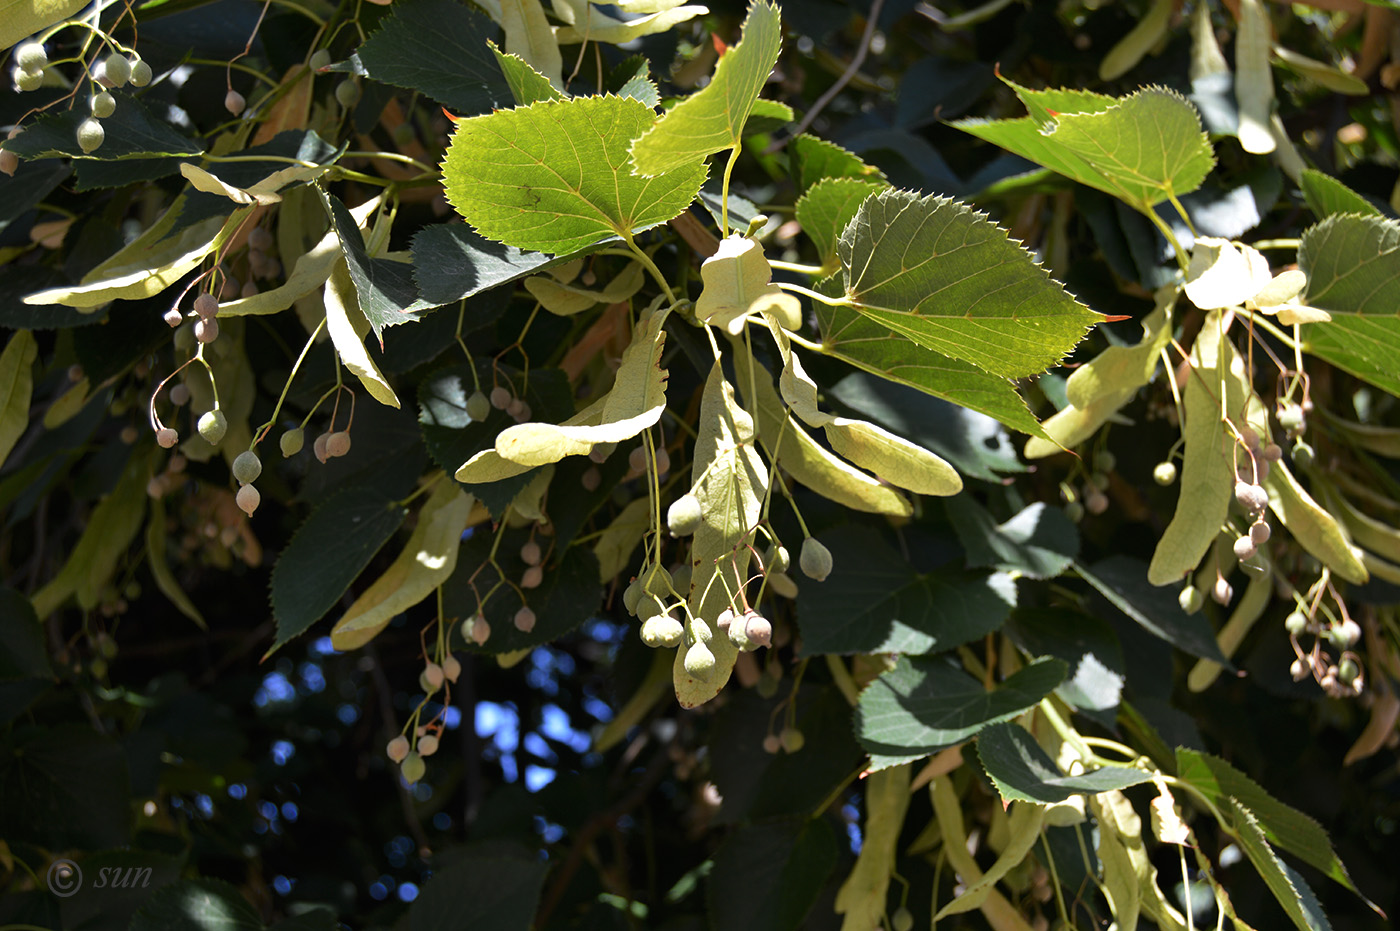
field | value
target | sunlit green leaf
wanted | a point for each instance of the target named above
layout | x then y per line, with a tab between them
827	207
813	159
946	277
1326	195
554	176
713	118
526	84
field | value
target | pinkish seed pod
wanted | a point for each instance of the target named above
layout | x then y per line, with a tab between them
500	397
206	331
1223	592
427	745
591	479
637	459
338	444
1245	548
530	553
451	667
532	577
173	317
247	499
771	744
758	629
1259	532
525	619
434	674
397	749
318	447
166	437
481	630
726	617
234	102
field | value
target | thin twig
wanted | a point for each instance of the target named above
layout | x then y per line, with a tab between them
841	82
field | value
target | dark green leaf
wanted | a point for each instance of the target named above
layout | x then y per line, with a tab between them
63	787
197	905
632	78
568	596
766	877
874	603
387	293
481	893
828	206
452	261
1306	916
22	653
1283	825
1040	542
327	553
439	47
1023	772
925	704
31	183
1087	643
1123	581
131	132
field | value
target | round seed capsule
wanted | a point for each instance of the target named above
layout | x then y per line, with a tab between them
662	630
117	68
699	661
140	73
206	331
234	102
319	59
1296	623
102	104
683	516
427	745
1348	670
530	553
451	667
31	57
524	619
292	441
166	437
28	80
413	768
337	444
1245	548
247	467
1191	599
433	673
1302	455
771	744
9	162
1259	532
90	135
173	317
318	447
758	629
478	407
1164	473
481	630
637	459
591	479
247	499
1223	592
815	559
500	397
347	93
180	395
532	577
397	749
792	739
212	426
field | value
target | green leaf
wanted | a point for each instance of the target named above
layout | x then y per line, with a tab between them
65	787
16	388
326	554
1327	196
131	132
438	47
1314	527
1123	581
1023	772
863	897
1353	268
713	118
1024	827
553	176
875	603
451	262
480	892
1141	149
1040	542
813	159
1305	914
27	187
1207	477
197	905
1087	643
21	18
828	206
944	276
632	78
925	704
586	23
766	877
384	289
877	349
347	326
526	84
22	652
1283	825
